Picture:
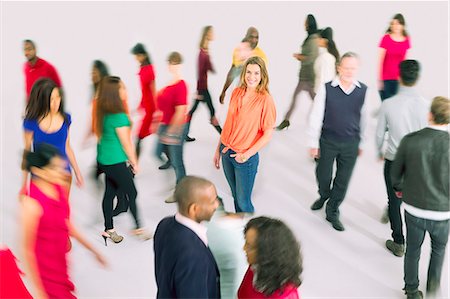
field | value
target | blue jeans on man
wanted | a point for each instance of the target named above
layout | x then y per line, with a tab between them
415	233
241	178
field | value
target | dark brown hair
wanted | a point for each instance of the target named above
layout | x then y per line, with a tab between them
108	101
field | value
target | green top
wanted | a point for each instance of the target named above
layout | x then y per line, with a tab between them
109	148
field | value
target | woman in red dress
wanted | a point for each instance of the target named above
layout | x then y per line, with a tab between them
46	225
273	255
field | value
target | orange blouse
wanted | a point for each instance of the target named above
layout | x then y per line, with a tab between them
246	123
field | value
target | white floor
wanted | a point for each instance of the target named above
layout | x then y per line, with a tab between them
349	264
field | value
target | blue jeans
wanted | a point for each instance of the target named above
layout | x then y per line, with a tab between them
415	234
241	178
390	89
173	151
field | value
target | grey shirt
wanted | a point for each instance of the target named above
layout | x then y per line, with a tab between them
401	114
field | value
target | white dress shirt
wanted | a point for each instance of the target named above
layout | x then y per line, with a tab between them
196	227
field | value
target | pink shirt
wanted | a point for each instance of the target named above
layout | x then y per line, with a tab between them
395	53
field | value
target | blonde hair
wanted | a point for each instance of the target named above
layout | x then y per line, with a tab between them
440	109
263	86
203	40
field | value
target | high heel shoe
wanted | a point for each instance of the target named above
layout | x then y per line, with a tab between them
112	235
284	124
189	139
142	234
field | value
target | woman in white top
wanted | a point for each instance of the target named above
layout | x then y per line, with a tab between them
325	63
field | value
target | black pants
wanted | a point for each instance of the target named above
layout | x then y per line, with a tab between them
119	180
207	100
345	154
390	89
394	203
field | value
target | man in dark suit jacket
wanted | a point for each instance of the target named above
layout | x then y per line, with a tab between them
420	177
184	265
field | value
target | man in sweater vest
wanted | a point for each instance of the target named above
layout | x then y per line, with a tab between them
414	110
184	265
420	177
336	127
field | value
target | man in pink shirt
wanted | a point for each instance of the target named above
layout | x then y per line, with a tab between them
36	68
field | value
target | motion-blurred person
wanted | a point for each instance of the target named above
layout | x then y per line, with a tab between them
204	65
336	131
306	78
399	115
172	101
275	262
393	47
114	151
248	128
326	62
184	265
225	240
46	225
148	104
47	122
420	177
240	55
36	68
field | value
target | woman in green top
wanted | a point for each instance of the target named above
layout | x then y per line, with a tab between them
114	150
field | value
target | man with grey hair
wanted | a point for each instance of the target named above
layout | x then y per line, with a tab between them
420	177
184	264
336	131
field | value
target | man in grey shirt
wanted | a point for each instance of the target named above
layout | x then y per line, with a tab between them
400	115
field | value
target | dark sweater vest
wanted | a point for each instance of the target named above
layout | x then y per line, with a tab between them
341	121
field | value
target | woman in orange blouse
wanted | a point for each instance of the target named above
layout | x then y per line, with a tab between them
248	128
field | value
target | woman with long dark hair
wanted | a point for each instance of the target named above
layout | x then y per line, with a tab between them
204	65
46	225
275	262
248	128
47	122
326	62
307	57
147	78
114	151
393	48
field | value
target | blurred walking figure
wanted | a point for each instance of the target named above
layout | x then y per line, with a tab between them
114	151
204	65
393	48
306	77
274	259
46	225
47	122
413	117
172	101
326	62
248	128
420	177
148	104
246	49
36	68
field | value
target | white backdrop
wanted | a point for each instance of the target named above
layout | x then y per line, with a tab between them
71	35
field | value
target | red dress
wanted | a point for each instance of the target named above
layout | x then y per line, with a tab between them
246	290
51	243
11	284
147	76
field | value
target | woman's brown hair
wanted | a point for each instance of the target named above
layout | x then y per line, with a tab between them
203	40
108	101
263	86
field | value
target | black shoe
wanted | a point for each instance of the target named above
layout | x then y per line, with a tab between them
414	295
165	165
189	139
318	204
337	224
284	124
395	248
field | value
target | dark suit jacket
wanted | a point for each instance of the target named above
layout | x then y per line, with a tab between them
184	266
421	170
